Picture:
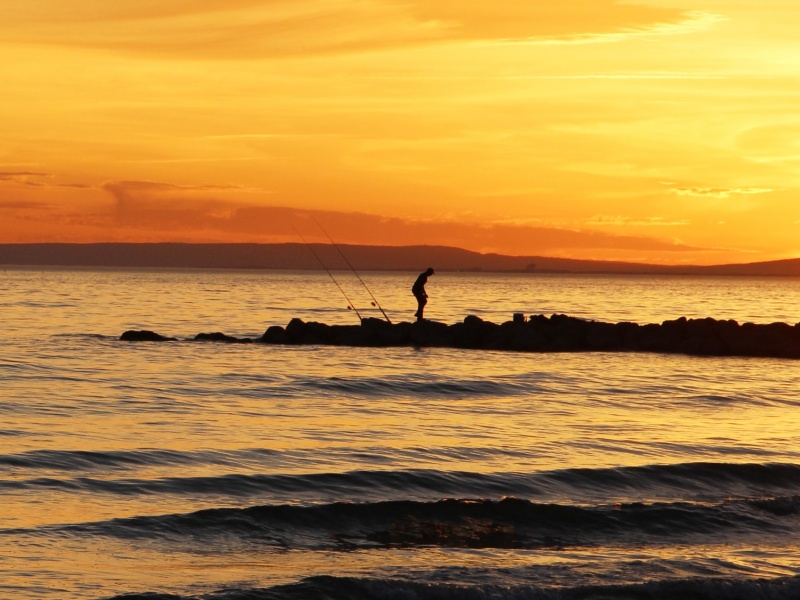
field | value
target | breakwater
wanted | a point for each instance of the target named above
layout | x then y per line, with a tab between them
538	333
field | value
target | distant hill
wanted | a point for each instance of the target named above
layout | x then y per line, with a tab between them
362	258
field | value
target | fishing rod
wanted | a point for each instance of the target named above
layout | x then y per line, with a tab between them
350	305
374	300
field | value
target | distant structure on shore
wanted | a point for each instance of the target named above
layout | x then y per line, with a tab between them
363	258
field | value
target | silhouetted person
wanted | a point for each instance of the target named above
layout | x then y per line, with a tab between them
418	289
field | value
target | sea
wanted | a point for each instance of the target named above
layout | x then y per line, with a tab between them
195	470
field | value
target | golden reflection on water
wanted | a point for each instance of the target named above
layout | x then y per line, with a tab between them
113	565
336	410
551	422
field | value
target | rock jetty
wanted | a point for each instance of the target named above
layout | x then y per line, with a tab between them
538	333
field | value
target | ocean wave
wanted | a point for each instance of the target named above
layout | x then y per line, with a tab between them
36	304
89	336
695	479
702	482
82	460
367	485
350	588
409	385
510	523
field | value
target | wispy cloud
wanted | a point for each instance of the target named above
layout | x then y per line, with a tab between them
198	209
522	19
710	192
20	205
692	22
156	186
622	221
24	177
196	206
39	180
631	76
269	28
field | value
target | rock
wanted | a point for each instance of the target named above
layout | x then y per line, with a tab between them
557	333
605	336
274	335
568	333
144	336
378	332
430	334
221	337
474	332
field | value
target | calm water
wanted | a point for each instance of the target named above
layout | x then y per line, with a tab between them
205	471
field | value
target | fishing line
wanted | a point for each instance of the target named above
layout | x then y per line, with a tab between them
350	305
374	300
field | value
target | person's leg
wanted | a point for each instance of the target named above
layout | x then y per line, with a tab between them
422	301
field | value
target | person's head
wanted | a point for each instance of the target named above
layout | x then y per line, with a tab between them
429	271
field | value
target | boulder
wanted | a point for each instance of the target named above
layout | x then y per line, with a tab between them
430	334
221	337
474	333
273	335
144	336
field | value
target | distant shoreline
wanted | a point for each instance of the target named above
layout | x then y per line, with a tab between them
298	257
50	267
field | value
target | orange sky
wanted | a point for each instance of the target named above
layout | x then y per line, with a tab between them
648	130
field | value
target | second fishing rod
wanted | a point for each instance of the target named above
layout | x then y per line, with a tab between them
375	302
350	305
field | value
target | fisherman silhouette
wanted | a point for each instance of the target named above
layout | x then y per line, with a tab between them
418	289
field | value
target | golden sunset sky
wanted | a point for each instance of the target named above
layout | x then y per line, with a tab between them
650	130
